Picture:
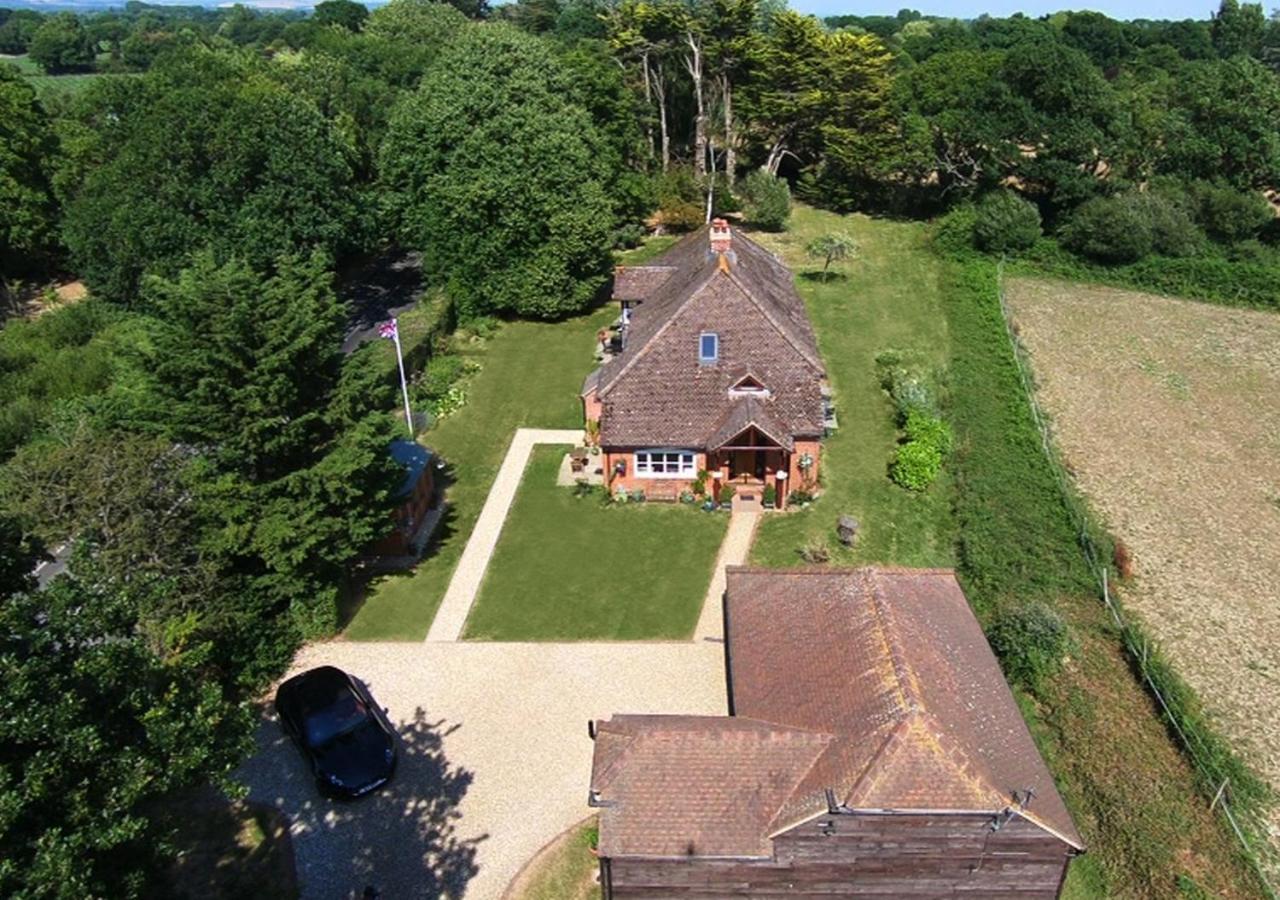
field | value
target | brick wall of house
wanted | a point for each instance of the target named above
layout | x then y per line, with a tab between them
654	488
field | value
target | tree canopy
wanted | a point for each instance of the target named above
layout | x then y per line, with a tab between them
496	176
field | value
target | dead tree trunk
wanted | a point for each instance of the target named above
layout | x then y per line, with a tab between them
693	62
660	91
730	155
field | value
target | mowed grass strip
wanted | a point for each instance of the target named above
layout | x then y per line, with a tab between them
531	376
886	297
573	568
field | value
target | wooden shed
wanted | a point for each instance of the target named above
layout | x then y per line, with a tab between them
872	748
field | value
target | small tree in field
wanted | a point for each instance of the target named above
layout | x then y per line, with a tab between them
832	247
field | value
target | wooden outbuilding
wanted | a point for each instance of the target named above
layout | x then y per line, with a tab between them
872	749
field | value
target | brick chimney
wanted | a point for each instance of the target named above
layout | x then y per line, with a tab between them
721	236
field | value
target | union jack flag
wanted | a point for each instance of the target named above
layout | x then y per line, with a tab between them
388	330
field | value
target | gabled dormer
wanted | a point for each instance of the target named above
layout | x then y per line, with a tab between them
748	385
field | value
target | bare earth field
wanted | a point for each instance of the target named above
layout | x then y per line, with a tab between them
1168	414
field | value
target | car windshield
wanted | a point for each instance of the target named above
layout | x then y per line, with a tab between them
343	715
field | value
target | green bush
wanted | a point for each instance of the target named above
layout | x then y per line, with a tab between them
1173	228
916	465
681	205
930	430
440	374
1227	214
1004	221
726	494
770	496
768	200
1111	230
1031	641
953	234
909	388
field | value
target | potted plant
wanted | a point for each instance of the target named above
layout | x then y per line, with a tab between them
770	496
726	495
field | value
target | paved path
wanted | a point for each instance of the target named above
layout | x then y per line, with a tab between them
494	757
465	584
733	552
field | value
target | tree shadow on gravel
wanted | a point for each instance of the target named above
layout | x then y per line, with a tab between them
401	840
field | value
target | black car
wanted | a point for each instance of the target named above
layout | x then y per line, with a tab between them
335	724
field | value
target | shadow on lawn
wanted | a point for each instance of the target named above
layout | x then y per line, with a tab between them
818	277
401	840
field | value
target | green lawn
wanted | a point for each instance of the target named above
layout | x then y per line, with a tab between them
571	568
531	376
532	373
888	297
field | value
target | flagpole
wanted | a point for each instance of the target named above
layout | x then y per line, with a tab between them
404	386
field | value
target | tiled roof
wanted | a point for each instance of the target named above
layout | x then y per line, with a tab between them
657	393
891	666
748	412
696	785
638	282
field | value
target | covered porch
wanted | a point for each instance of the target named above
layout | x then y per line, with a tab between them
752	461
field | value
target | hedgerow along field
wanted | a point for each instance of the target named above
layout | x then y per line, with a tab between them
1166	412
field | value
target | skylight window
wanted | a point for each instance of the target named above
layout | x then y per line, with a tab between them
708	347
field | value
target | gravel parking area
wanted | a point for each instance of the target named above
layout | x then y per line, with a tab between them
494	757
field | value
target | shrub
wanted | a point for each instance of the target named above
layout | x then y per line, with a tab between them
768	200
1110	230
1173	229
1004	221
800	495
770	496
440	374
700	483
1031	641
816	551
916	465
953	234
929	430
726	494
1229	215
907	387
680	200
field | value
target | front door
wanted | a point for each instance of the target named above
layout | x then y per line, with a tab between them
747	464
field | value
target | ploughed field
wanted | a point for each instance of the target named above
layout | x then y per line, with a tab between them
1168	414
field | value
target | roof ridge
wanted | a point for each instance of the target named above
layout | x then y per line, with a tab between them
905	675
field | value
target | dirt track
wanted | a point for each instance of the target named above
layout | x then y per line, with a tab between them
1168	413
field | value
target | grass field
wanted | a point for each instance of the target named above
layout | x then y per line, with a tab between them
886	298
571	568
1166	411
47	85
531	375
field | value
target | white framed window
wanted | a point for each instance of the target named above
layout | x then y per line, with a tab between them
708	347
666	463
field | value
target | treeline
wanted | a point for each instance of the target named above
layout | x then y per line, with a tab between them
191	431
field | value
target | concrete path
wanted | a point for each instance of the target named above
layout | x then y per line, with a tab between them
734	550
494	757
465	584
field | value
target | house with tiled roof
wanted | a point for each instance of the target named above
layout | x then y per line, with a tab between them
872	748
718	371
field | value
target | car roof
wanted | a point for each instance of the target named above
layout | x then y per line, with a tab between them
315	688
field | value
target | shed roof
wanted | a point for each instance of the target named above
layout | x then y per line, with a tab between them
889	666
414	458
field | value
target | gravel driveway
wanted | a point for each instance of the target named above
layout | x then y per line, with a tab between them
494	758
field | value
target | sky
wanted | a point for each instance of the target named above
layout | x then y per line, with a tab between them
969	9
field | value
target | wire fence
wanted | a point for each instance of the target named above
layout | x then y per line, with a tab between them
1136	643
